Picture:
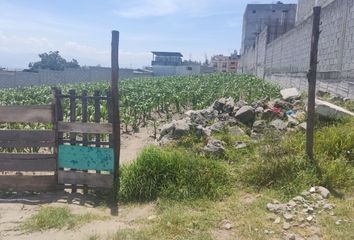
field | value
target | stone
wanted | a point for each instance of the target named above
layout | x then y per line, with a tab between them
224	105
236	131
279	125
219	104
339	222
328	110
246	115
229	105
286	226
240	145
292	122
289	93
309	218
312	190
166	129
218	127
209	113
291	237
276	208
299	199
292	203
288	217
259	126
303	126
259	110
198	119
323	191
152	217
328	206
241	103
214	146
277	220
204	132
227	225
182	128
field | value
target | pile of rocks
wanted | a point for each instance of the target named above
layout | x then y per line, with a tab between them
284	114
225	113
302	210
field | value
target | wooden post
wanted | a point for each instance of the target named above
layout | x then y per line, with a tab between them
84	120
116	118
55	127
72	95
312	75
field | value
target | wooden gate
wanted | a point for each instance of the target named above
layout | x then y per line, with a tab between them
85	149
27	157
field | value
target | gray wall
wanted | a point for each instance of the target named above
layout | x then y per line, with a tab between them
11	79
305	8
287	58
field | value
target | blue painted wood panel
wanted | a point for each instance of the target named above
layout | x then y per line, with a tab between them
86	158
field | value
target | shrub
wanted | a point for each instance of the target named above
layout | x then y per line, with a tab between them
174	174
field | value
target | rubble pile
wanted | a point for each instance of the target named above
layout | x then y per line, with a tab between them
302	210
284	114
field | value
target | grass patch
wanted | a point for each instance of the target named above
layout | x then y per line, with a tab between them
172	173
282	163
57	218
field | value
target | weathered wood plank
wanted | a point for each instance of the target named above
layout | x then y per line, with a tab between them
85	158
23	138
26	114
27	162
76	127
84	178
27	183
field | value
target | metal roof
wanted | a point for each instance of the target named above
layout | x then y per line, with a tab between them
172	54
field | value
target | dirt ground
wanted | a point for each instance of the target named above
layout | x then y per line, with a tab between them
12	213
17	208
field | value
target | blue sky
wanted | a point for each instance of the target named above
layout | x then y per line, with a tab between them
81	29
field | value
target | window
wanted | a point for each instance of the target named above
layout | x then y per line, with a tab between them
189	68
254	11
273	11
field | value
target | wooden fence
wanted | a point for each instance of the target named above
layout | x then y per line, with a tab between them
21	171
78	154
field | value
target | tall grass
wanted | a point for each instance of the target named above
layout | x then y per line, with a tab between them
283	163
174	174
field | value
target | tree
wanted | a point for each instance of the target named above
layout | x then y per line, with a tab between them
52	61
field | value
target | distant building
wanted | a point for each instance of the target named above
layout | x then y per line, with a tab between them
279	18
166	58
171	63
222	63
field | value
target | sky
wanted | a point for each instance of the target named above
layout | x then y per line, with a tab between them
81	29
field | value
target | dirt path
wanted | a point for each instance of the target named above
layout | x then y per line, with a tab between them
132	144
12	214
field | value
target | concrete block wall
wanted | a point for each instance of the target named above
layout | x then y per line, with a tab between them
288	57
305	8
